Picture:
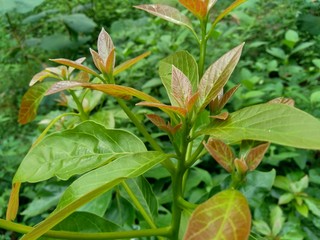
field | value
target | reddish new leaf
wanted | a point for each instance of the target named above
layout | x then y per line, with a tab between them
181	88
168	13
198	7
160	123
98	62
255	155
224	216
217	75
227	10
166	108
221	116
105	45
123	66
226	97
109	65
31	100
221	152
241	166
79	60
39	77
75	65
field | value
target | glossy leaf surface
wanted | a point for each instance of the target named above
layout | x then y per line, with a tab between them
95	183
62	155
31	100
217	75
168	13
226	215
185	63
277	123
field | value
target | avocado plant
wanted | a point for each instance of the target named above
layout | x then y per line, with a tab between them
99	159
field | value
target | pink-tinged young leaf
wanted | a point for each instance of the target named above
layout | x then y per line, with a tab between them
166	108
13	204
217	75
198	7
123	66
39	77
168	13
160	123
221	116
241	166
192	101
221	152
109	66
57	70
79	60
98	62
255	155
226	215
228	10
211	4
105	45
63	85
180	87
283	100
226	97
31	100
75	65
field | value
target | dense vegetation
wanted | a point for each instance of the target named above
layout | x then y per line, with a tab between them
281	58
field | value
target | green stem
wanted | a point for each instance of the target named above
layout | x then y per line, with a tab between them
19	228
186	205
83	115
203	47
167	163
197	152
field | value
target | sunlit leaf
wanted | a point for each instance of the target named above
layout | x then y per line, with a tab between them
109	65
79	60
181	87
228	10
226	215
198	7
221	152
97	147
168	13
123	66
97	60
31	100
75	65
95	183
217	75
178	110
105	45
277	123
185	63
39	77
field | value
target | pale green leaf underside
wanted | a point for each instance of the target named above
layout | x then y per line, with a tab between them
95	183
76	151
277	123
185	63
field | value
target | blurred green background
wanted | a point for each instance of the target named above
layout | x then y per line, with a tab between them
281	58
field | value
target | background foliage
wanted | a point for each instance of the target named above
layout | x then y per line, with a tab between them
281	58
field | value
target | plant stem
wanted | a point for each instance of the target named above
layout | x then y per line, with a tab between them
83	115
11	226
203	47
167	163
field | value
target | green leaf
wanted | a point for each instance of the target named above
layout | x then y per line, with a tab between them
277	219
277	123
262	227
79	22
277	52
99	205
144	194
283	183
185	63
313	205
31	100
95	183
302	46
168	13
217	75
19	6
292	36
224	216
76	151
285	198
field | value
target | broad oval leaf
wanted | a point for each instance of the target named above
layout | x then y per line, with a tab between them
31	100
185	63
76	151
168	13
198	7
224	216
95	183
269	122
217	75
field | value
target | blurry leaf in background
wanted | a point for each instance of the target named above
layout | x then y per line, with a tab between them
79	22
20	6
